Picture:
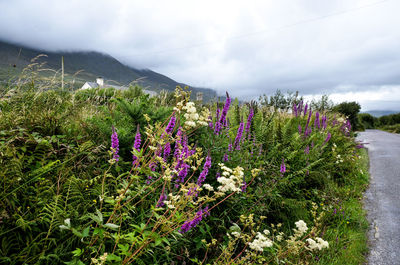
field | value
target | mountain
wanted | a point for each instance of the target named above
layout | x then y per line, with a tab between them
14	57
379	113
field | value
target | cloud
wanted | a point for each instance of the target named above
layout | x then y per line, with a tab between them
247	48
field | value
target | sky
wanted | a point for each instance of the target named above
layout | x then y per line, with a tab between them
348	49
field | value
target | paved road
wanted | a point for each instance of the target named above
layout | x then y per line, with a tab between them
382	199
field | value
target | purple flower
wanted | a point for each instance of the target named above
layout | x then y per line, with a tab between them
306	132
305	109
244	186
204	173
239	136
316	122
171	125
283	166
167	151
217	127
327	138
324	119
114	144
136	144
299	128
161	200
226	157
295	109
210	123
230	147
189	224
307	150
249	118
225	109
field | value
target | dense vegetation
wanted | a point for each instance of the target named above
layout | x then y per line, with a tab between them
117	177
390	123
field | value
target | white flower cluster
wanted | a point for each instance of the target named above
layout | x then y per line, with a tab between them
231	180
191	114
173	199
208	187
319	244
339	159
301	228
261	242
193	118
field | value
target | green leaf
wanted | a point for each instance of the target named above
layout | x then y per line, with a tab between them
85	232
77	252
112	226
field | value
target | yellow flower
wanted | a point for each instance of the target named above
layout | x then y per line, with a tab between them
94	201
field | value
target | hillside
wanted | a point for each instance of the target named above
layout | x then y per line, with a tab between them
15	57
379	113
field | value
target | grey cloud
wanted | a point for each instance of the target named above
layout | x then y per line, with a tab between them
247	48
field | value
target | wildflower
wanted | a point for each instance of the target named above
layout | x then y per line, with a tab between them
136	144
161	200
295	109
316	122
225	109
307	150
189	224
208	187
301	228
238	136
283	166
308	123
299	128
203	174
319	244
114	144
231	180
171	125
249	118
260	242
305	109
225	158
327	137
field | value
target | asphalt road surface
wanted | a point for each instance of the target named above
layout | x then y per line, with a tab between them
382	199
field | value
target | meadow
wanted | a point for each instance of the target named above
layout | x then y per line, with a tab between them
118	177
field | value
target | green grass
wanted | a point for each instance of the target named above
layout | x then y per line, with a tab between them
349	237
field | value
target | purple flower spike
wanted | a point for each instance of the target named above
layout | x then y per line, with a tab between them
167	151
305	109
204	173
249	118
327	137
226	157
316	122
307	150
299	128
115	144
295	109
308	123
239	136
283	166
161	200
171	125
136	144
189	224
225	109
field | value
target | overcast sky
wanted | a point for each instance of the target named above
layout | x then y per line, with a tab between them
349	49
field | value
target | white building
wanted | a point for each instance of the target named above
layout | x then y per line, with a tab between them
100	83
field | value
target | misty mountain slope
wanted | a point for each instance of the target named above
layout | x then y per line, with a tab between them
93	64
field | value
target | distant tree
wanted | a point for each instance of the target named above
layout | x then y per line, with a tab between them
323	104
351	110
391	119
368	121
280	100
